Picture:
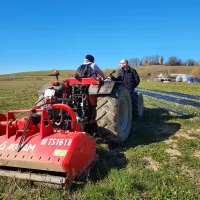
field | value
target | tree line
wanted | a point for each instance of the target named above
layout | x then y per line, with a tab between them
159	60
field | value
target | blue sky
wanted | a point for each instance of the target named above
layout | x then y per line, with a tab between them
44	35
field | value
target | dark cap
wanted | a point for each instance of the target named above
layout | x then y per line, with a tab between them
90	58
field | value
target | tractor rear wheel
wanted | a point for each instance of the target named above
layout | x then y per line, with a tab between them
114	115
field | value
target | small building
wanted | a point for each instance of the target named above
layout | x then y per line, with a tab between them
161	78
182	78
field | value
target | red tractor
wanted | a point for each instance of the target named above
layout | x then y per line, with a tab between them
54	138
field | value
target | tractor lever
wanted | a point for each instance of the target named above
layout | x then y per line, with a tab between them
55	73
112	72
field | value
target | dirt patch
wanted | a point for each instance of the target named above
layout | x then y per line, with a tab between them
174	146
173	152
152	164
196	154
193	173
172	143
186	170
194	119
198	130
191	131
184	135
173	159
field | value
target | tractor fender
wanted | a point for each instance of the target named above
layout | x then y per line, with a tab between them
105	87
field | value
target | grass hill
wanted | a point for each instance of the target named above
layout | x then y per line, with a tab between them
159	161
142	70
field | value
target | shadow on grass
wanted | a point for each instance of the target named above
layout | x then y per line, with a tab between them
153	127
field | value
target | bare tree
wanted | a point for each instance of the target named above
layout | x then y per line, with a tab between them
173	61
198	62
146	60
134	61
130	62
151	60
155	60
190	62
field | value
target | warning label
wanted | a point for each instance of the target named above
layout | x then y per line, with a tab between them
60	152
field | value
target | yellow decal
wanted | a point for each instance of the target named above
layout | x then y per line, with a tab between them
60	152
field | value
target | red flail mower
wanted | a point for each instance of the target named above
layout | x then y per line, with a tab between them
51	138
52	143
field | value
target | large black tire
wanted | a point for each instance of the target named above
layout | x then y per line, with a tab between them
138	105
114	115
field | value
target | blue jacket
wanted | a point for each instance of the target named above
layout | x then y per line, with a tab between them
130	78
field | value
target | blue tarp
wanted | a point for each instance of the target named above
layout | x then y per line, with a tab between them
191	80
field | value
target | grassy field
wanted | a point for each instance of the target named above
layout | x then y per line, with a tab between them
159	161
172	87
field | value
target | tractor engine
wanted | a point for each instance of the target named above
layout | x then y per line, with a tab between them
75	96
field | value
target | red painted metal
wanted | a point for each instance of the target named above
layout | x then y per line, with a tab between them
74	125
55	83
45	148
2	124
82	81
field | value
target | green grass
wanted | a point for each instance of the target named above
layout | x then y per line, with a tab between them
153	169
172	87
